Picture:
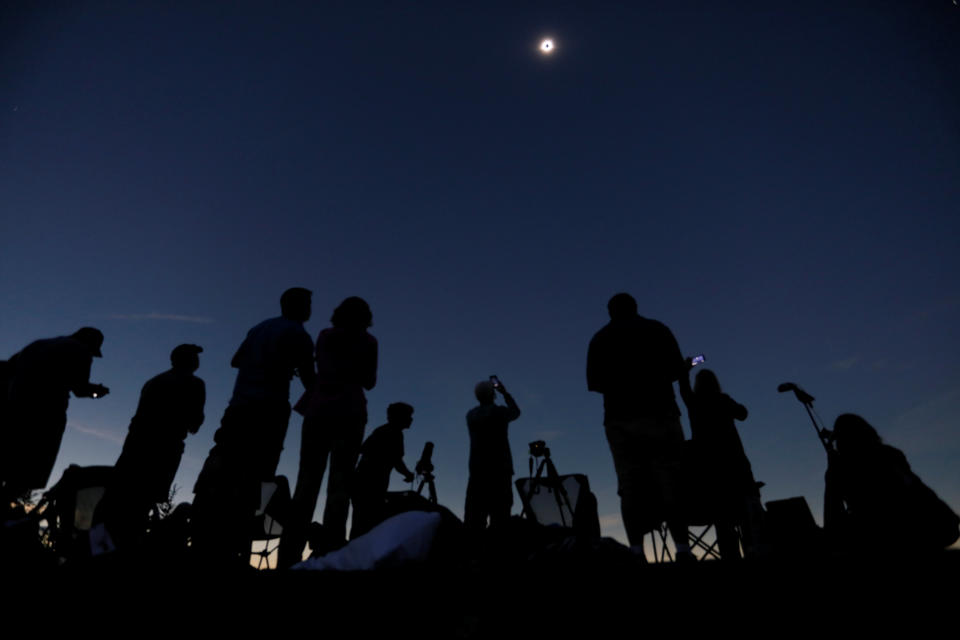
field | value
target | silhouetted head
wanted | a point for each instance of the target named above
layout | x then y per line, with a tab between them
400	414
295	304
186	357
485	392
92	338
621	306
353	313
706	383
852	433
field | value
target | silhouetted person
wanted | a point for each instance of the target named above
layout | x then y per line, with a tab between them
335	414
381	453
490	488
250	438
170	407
873	499
633	361
723	470
41	377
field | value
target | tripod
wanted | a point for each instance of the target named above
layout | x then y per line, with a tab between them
426	478
425	470
826	437
552	483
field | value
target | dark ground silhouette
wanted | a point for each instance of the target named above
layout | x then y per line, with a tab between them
558	600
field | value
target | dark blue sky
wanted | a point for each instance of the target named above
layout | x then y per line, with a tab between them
777	183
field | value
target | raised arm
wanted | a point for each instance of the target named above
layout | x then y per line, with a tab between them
684	382
834	510
513	411
738	411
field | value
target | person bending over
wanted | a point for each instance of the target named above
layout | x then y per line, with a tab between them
380	454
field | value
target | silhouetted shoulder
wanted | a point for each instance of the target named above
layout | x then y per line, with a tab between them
509	413
347	356
597	360
655	327
894	458
294	335
61	362
601	335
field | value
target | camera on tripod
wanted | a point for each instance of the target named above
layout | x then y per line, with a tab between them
539	448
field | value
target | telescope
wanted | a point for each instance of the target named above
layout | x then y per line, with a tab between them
424	469
425	463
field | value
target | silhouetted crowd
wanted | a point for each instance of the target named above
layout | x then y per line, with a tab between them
872	497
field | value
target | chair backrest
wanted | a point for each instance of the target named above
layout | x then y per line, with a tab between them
789	524
566	501
273	510
71	504
268	521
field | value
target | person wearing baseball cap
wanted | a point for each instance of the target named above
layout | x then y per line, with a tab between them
171	406
41	377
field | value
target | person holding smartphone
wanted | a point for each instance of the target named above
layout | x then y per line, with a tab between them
41	378
727	486
490	487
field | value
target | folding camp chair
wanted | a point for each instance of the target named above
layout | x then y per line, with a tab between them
68	508
702	532
267	526
564	501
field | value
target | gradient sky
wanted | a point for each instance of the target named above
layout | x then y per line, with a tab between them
777	182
